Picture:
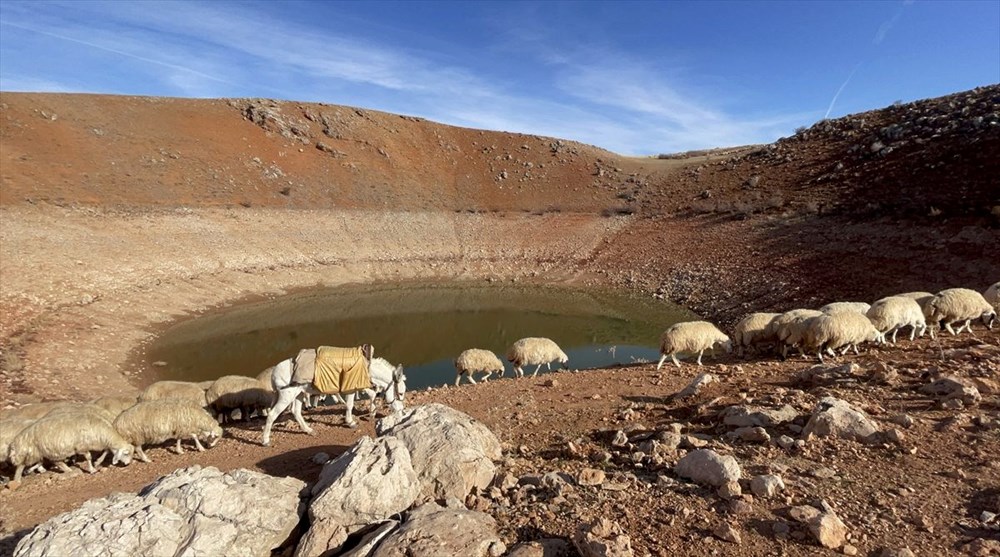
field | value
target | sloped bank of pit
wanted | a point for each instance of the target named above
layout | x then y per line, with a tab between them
100	282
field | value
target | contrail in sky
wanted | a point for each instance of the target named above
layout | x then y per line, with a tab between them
842	85
120	52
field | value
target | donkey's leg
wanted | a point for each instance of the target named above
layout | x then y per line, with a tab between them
349	416
297	412
373	396
285	398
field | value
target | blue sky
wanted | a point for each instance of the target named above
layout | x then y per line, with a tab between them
633	77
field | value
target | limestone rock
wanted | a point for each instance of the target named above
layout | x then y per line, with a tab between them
432	531
549	547
193	511
705	466
602	538
835	417
695	386
370	482
767	485
755	416
451	452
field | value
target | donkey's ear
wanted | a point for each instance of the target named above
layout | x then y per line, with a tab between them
368	351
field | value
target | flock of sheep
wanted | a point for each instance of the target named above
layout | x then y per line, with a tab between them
837	326
165	411
177	410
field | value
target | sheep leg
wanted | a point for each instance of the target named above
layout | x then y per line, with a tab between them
820	354
100	459
458	379
36	469
894	331
536	370
676	361
18	472
197	443
947	326
89	461
141	454
63	467
178	448
662	359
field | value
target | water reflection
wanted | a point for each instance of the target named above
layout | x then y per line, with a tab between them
421	326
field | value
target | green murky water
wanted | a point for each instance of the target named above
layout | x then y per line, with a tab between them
421	326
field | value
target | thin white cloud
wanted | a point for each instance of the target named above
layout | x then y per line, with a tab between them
592	95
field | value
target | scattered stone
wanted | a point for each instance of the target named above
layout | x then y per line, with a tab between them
730	490
705	466
981	547
785	442
903	420
849	550
827	375
838	418
549	547
590	476
753	434
754	416
726	532
620	439
695	386
602	538
902	552
766	485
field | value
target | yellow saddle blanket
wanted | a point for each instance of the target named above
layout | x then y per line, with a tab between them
341	370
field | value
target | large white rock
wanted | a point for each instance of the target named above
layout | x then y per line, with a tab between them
121	525
192	512
451	452
434	531
706	466
370	482
837	418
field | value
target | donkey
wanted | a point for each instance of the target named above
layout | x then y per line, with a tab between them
388	380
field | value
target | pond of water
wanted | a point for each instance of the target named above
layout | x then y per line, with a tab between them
424	327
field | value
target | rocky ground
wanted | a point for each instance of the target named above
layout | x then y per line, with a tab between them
119	215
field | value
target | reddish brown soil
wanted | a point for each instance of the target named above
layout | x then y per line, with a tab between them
118	214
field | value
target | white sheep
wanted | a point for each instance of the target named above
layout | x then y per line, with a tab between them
175	389
158	421
231	392
753	330
691	337
790	327
81	408
892	313
959	304
992	296
60	437
115	404
9	428
837	307
535	351
477	360
841	330
34	411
